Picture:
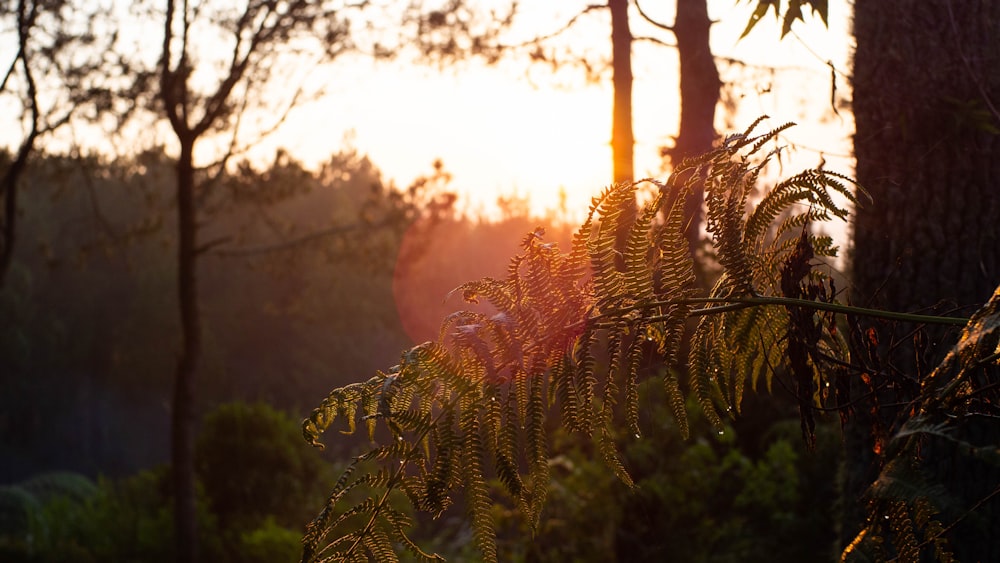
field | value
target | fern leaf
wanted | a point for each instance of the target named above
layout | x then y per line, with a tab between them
638	276
608	280
676	400
377	542
703	384
674	267
537	451
612	458
507	450
566	394
478	500
631	393
587	379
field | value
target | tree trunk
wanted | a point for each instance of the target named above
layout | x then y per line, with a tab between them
622	139
926	82
8	192
182	423
699	91
8	187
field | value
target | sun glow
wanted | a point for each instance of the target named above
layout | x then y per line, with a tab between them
503	130
496	134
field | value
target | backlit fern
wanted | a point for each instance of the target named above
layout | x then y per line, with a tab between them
568	340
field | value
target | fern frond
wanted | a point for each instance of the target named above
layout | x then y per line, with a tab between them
497	292
537	453
674	267
612	457
587	379
433	498
378	544
704	386
631	392
478	503
340	403
398	523
777	201
569	335
763	139
566	394
638	276
676	400
608	280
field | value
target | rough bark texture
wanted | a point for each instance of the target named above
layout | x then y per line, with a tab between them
926	81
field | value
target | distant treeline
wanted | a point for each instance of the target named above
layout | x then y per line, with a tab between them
296	283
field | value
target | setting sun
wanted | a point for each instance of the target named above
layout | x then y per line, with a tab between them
501	130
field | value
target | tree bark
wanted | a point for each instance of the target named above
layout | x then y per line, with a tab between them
622	139
699	93
8	191
8	186
183	415
925	87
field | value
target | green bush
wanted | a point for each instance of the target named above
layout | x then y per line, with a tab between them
270	543
66	517
254	465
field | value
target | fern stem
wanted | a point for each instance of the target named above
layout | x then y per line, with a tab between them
736	303
397	477
834	307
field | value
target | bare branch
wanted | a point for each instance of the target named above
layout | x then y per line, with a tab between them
10	71
560	31
646	17
655	41
290	244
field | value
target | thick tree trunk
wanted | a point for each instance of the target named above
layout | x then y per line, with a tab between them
699	90
182	423
926	82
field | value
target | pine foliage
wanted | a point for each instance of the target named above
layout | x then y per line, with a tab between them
571	338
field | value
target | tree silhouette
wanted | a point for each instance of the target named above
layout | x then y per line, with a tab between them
59	71
255	36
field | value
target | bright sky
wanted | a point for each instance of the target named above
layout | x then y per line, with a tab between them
500	133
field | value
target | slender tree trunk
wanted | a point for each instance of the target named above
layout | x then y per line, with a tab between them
8	191
182	423
622	139
699	93
8	187
926	84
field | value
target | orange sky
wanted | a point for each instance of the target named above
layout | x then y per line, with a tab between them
498	132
